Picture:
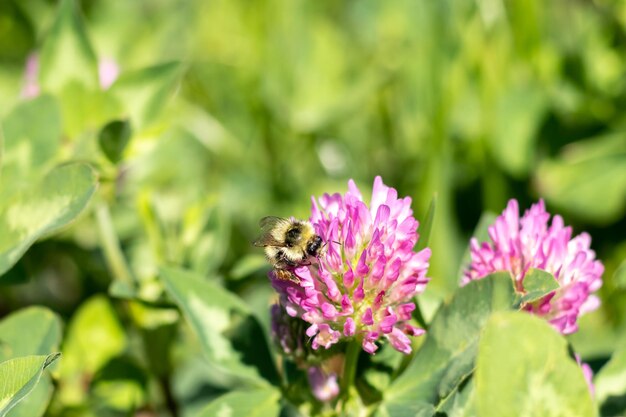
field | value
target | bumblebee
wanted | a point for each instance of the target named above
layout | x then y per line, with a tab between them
289	243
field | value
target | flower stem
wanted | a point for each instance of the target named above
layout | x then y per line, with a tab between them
111	246
349	367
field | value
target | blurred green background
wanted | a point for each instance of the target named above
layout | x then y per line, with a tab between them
230	110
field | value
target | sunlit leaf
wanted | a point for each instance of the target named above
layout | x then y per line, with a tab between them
94	336
19	377
524	368
257	403
537	284
42	209
447	356
231	337
42	338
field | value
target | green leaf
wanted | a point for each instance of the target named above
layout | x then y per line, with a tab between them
36	403
113	139
231	337
610	385
577	181
145	92
43	337
447	356
32	137
524	368
537	284
67	56
19	377
461	403
43	208
257	403
94	337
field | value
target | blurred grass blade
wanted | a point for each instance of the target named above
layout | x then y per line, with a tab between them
447	356
619	277
578	180
230	335
524	368
19	377
610	384
427	225
481	233
537	284
67	56
257	403
42	209
145	92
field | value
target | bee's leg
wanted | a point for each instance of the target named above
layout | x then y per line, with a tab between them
283	274
295	278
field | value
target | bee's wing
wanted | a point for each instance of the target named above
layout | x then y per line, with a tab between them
268	224
266	239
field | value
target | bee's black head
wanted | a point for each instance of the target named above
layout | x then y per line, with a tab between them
314	245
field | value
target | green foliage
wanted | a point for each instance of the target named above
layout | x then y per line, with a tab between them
42	338
230	335
113	139
140	144
447	356
43	208
579	177
525	365
261	402
537	284
610	385
19	377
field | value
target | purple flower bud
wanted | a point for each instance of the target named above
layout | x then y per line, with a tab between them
324	386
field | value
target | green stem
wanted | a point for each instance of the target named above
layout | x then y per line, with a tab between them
111	246
349	367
